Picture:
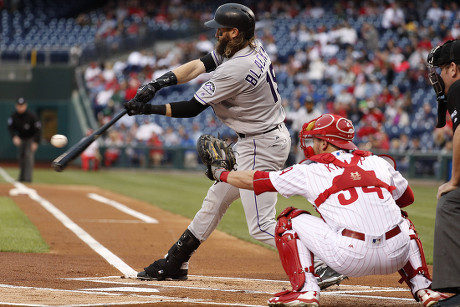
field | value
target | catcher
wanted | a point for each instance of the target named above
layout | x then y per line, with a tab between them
362	229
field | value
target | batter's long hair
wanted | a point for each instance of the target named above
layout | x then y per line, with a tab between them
238	43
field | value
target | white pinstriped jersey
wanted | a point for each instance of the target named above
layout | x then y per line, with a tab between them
370	210
243	91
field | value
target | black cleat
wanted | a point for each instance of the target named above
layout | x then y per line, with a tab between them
328	277
156	271
181	275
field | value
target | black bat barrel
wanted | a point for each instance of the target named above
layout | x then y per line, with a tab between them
61	162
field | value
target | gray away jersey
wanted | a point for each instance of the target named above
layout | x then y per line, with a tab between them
243	91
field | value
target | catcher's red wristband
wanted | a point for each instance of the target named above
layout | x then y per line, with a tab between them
224	176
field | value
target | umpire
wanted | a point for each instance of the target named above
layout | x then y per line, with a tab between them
25	130
446	251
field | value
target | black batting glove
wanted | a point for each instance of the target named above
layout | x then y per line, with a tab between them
146	92
134	107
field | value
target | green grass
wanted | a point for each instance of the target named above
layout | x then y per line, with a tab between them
17	233
183	192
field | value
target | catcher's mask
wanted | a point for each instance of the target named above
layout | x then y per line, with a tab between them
332	128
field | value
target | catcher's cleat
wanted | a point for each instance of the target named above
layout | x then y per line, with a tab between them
294	298
156	271
328	277
429	297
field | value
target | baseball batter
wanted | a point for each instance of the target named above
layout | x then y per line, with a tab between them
243	93
362	230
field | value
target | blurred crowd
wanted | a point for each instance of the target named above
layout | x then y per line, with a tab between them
361	59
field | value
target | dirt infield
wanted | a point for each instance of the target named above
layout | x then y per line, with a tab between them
97	246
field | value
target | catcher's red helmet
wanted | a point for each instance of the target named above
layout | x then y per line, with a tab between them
332	128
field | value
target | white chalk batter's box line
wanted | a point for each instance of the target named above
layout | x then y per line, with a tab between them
329	292
151	299
154	299
128	271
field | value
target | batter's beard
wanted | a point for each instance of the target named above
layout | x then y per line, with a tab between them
227	46
221	45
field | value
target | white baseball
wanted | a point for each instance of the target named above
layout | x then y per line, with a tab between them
58	140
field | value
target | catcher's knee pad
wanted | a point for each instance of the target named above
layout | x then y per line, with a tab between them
284	219
181	252
289	256
286	243
417	262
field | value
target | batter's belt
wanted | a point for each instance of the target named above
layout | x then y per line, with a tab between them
243	135
361	236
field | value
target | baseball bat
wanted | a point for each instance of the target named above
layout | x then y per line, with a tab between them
61	162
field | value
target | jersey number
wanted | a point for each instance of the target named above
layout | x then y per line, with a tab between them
354	194
271	80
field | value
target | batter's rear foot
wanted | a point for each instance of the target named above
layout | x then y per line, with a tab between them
328	277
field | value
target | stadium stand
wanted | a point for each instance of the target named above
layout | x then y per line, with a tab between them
348	55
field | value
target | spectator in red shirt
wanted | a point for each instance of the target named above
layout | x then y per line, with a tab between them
156	152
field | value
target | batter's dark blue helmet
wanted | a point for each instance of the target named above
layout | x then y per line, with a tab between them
234	15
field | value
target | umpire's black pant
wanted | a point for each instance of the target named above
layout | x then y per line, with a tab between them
446	251
26	159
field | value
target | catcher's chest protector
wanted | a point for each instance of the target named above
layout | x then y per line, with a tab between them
353	176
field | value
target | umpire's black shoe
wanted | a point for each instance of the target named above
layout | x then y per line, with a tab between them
453	301
156	271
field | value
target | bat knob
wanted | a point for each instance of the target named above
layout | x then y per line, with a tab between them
57	167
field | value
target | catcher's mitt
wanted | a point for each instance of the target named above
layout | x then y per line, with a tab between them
215	154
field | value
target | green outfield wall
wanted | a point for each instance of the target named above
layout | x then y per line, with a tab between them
50	93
